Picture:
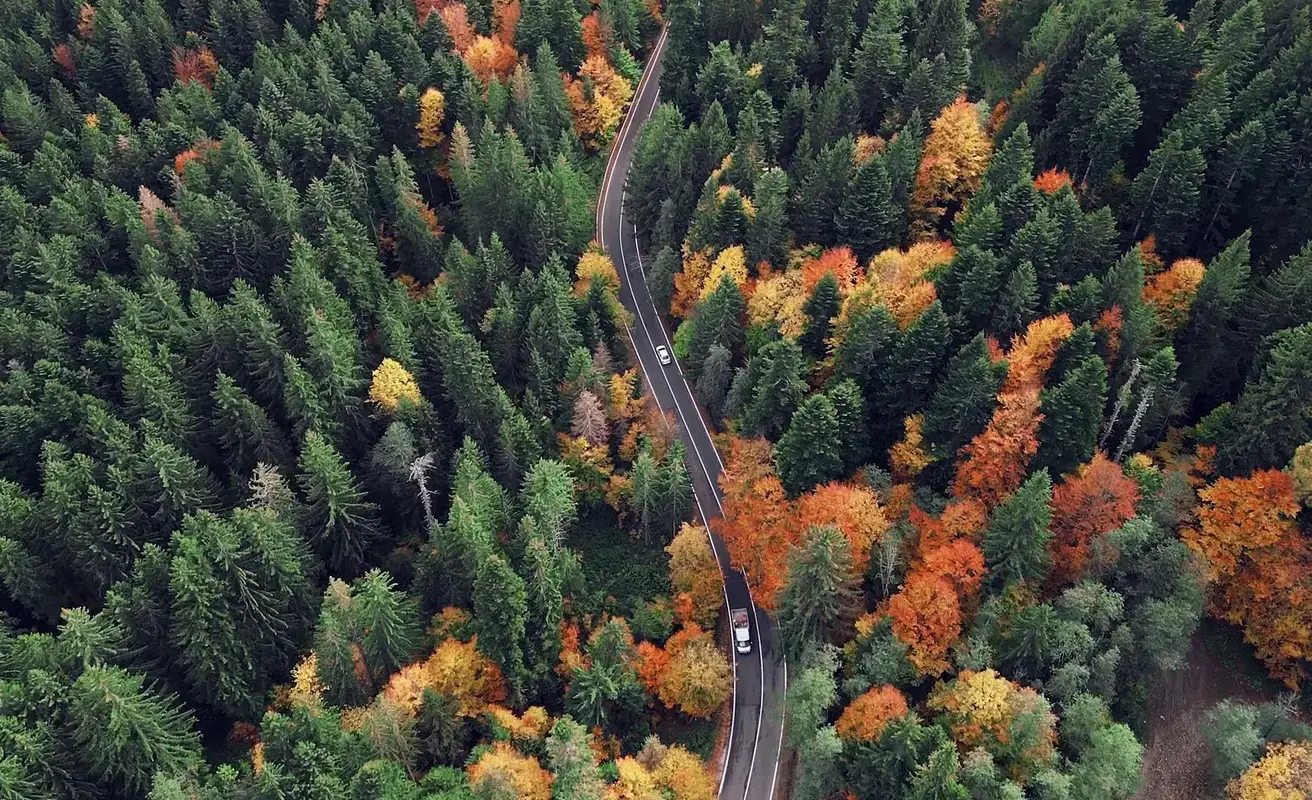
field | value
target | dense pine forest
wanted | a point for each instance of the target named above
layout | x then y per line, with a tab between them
1006	309
326	472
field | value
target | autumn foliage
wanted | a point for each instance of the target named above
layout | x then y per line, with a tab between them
196	64
926	615
995	462
697	679
1171	292
508	767
759	524
695	576
900	278
1051	180
456	669
956	153
866	716
1257	561
1098	498
597	99
1011	722
837	261
1283	773
392	386
854	510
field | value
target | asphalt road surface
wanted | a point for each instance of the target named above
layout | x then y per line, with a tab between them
760	677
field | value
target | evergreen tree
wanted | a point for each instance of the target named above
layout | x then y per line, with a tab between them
821	309
1165	196
247	434
879	62
1274	411
715	378
660	277
238	605
819	596
126	733
809	453
717	320
341	523
868	351
1204	339
500	615
936	779
767	233
850	410
1072	415
1018	302
867	217
770	389
1015	544
1099	112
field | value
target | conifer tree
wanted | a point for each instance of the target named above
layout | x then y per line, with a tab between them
1165	196
770	389
500	615
716	320
1072	416
867	217
238	605
819	596
809	453
767	233
247	434
850	411
1015	544
715	379
1273	413
821	308
1018	303
879	62
341	523
126	733
1099	112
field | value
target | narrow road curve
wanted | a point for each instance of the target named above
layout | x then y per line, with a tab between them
761	677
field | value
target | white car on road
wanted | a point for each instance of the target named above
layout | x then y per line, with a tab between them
663	354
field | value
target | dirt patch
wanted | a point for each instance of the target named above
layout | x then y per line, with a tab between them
1176	764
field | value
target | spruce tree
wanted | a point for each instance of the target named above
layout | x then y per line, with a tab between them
868	351
936	779
660	278
715	378
340	521
125	733
867	216
767	232
1016	541
239	605
246	432
819	596
850	410
1018	302
500	616
808	453
1274	412
1072	416
716	320
1204	340
821	308
1165	196
772	388
879	63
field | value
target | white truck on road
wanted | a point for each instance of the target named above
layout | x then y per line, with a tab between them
742	631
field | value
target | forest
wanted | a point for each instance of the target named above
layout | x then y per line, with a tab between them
328	470
1005	310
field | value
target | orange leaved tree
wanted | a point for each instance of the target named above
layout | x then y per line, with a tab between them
759	525
867	716
1098	498
854	510
926	615
1257	560
956	153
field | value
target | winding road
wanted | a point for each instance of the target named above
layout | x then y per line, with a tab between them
751	770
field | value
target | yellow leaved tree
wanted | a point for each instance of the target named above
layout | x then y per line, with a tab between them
393	385
956	152
432	110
